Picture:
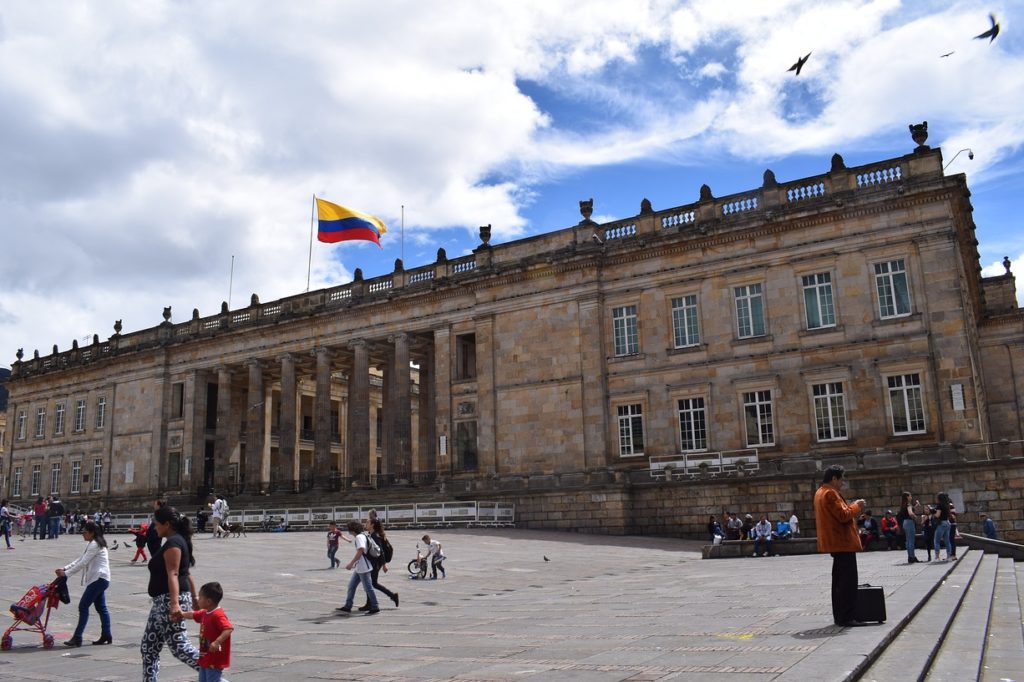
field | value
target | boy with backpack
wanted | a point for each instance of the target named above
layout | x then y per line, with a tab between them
361	569
380	538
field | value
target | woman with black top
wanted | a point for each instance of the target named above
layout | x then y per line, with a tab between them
173	592
379	537
942	506
908	522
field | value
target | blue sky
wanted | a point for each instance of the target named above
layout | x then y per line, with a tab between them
144	146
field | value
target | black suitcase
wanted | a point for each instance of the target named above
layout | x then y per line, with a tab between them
870	604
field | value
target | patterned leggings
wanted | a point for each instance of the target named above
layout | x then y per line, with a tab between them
160	629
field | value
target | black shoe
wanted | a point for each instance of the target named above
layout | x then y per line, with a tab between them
371	612
346	609
73	642
852	624
364	607
104	639
394	598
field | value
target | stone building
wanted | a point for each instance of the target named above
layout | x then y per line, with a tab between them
840	315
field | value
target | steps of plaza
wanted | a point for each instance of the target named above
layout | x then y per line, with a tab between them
970	626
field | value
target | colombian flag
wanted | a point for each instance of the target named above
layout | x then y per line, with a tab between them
338	224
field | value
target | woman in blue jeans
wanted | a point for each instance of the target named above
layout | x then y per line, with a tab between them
908	522
942	527
95	566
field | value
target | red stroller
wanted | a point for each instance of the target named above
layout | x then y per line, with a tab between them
32	612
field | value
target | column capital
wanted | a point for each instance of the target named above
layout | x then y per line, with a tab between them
400	336
253	362
286	357
224	369
357	343
321	350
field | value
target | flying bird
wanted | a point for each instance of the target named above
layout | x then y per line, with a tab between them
546	559
947	54
800	64
992	32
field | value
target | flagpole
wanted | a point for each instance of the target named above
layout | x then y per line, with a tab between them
403	233
231	280
312	214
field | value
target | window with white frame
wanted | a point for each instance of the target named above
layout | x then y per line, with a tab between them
685	330
818	304
905	404
631	429
55	478
693	431
97	475
757	412
40	422
16	483
22	424
749	311
624	330
79	416
893	293
76	477
58	420
101	412
36	481
829	411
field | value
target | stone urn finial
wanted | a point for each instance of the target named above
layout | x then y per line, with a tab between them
55	351
837	162
442	255
399	265
919	133
35	354
74	344
485	233
705	193
167	314
195	313
254	300
1007	263
769	178
95	339
117	326
358	275
587	209
223	307
20	354
645	206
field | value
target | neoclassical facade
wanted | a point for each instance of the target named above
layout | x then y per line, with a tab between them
841	313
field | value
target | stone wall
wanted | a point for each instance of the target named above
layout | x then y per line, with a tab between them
681	508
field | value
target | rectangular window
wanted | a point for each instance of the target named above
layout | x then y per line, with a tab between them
97	475
40	421
16	484
22	424
693	432
177	400
466	446
76	478
818	302
829	411
465	356
37	476
905	403
631	430
173	469
624	331
55	479
684	321
893	294
101	412
749	311
757	411
79	416
58	420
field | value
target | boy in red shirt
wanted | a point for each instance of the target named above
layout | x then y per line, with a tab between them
214	633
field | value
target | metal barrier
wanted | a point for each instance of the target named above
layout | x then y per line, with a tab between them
695	464
425	515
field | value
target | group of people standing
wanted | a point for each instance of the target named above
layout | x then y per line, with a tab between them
172	591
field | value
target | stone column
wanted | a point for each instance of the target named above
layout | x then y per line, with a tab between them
322	420
267	419
401	410
595	406
287	431
200	379
225	439
487	424
357	441
254	435
442	412
386	415
427	458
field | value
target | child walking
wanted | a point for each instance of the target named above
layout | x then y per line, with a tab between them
333	535
140	542
214	633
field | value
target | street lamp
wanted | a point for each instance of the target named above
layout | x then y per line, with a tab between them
970	155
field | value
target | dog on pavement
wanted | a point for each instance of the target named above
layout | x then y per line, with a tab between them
235	530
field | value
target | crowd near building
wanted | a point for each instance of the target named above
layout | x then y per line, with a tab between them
655	369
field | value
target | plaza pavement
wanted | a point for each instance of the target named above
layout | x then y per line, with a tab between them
601	609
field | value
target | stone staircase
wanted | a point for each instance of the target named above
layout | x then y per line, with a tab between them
970	627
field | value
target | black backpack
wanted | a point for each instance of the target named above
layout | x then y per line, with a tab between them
387	550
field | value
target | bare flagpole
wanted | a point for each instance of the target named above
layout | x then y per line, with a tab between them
403	233
231	280
312	219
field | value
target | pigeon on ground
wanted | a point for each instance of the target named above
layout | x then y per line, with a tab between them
992	32
546	559
114	546
799	64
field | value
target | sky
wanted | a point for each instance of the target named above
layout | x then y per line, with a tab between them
160	154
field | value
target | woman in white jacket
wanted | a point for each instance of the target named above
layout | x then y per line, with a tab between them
95	564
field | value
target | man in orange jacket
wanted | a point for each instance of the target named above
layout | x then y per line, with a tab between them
837	534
